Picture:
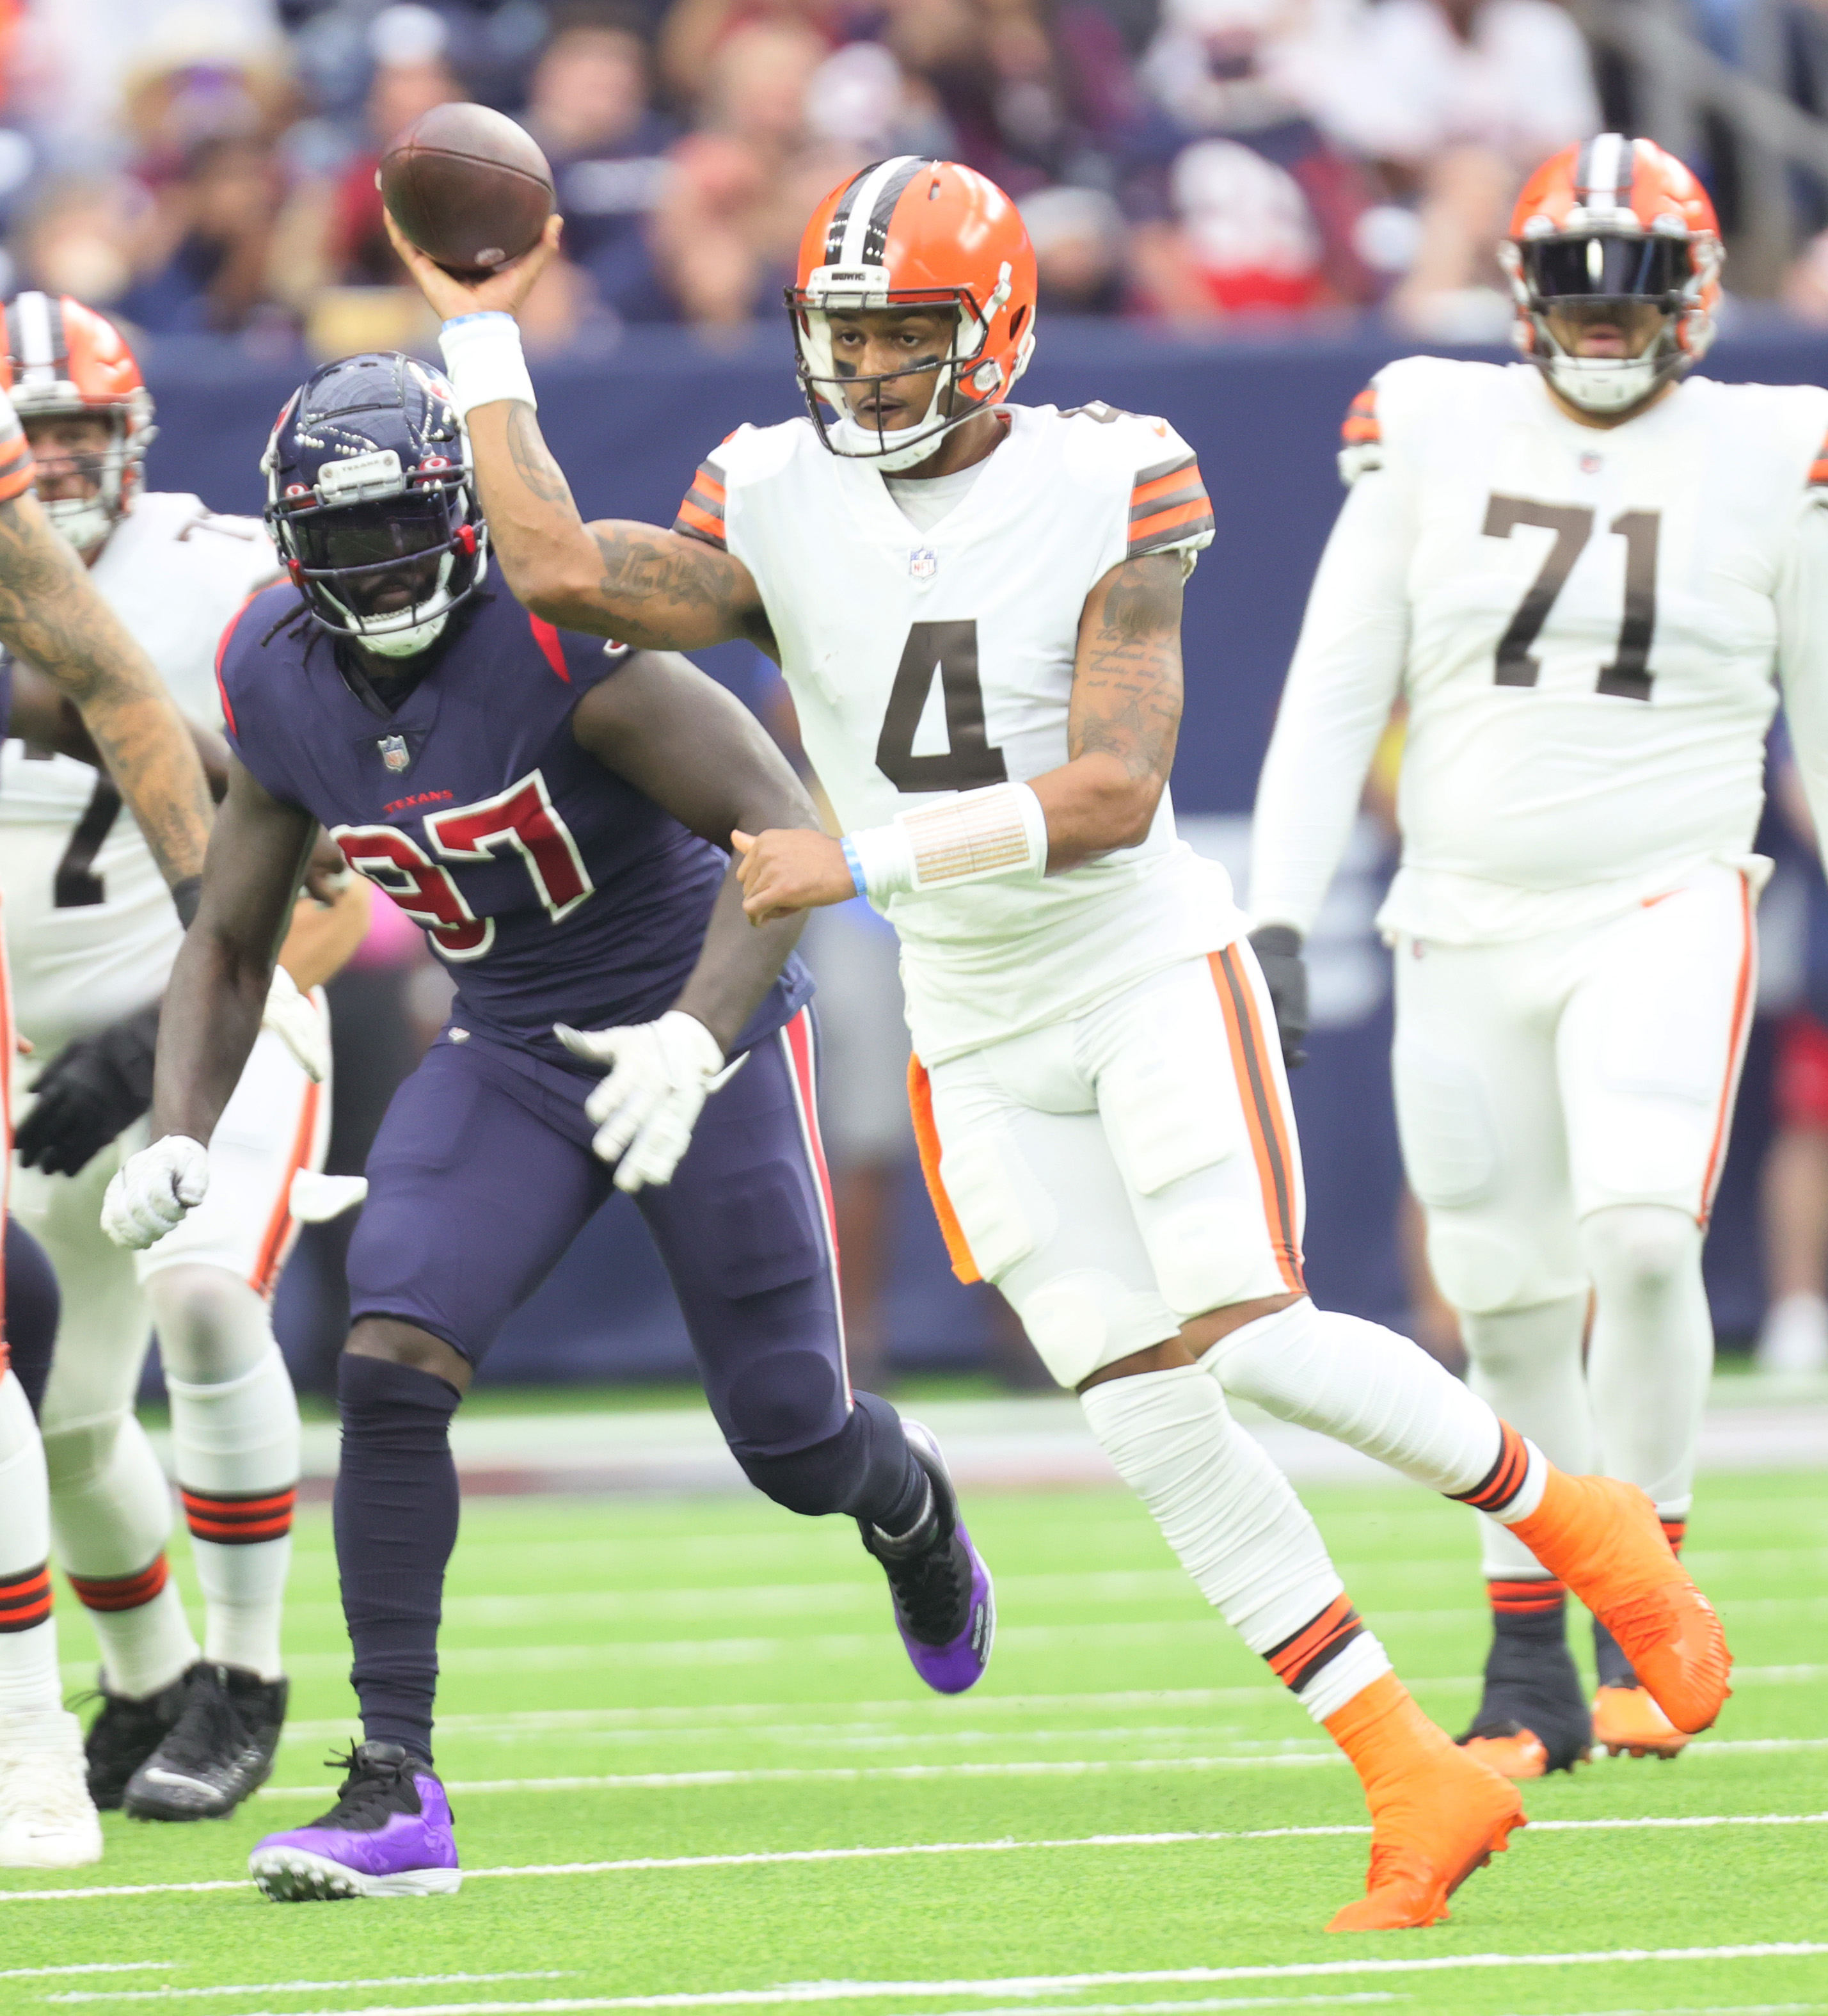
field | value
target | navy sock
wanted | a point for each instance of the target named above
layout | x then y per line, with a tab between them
866	1470
396	1523
33	1306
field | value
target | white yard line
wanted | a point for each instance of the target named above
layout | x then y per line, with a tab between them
88	1966
768	1858
307	1987
1031	1984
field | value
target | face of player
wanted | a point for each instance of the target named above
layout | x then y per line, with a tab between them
70	450
370	547
1606	329
895	355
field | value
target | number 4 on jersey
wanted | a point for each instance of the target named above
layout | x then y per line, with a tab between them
948	653
523	817
1628	675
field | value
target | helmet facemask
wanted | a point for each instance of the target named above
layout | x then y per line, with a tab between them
966	382
1650	285
114	472
382	559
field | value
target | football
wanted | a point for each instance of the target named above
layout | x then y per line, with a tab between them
468	187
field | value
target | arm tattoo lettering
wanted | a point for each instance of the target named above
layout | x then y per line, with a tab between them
1127	691
532	459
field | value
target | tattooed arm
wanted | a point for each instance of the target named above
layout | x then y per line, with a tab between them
1125	715
639	583
52	619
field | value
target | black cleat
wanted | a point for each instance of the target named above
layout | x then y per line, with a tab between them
124	1735
219	1751
945	1607
1533	1718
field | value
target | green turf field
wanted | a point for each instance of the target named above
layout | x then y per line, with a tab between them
690	1766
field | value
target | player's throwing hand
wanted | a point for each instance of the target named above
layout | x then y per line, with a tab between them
152	1193
660	1074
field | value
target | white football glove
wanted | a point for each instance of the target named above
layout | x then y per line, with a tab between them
293	1018
660	1074
151	1194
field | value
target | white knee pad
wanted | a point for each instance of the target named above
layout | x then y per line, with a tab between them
237	1434
1449	1139
1640	1249
1003	1212
212	1326
1479	1266
1082	1321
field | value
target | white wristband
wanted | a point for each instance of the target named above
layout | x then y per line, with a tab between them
997	834
482	356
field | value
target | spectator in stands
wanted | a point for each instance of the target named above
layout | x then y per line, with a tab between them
693	32
1078	237
741	189
1239	203
76	235
409	79
218	216
589	107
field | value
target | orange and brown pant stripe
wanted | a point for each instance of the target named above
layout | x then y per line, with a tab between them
25	1598
238	1518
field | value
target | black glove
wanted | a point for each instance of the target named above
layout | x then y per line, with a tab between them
89	1092
1278	947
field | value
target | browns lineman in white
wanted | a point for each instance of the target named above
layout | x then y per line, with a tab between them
976	608
183	1733
1580	574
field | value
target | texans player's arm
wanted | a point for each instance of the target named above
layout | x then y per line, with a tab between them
646	586
52	618
218	991
678	738
40	715
1123	719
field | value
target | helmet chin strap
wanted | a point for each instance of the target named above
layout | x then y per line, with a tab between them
85	522
1605	384
407	643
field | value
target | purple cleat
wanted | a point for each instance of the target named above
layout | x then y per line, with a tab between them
945	1606
388	1835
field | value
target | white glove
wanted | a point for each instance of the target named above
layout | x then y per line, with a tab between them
660	1074
293	1018
316	1199
152	1192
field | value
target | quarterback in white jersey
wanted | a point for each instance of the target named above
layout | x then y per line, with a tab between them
1579	575
93	935
976	609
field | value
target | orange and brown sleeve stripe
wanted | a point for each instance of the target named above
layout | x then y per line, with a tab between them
1361	427
1819	469
1168	505
1265	1120
1296	1660
127	1592
701	516
25	1599
238	1519
1539	1596
927	1144
17	466
1505	1479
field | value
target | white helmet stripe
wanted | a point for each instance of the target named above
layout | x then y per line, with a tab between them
863	206
38	337
1609	163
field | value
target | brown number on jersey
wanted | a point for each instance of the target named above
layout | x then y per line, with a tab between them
1628	675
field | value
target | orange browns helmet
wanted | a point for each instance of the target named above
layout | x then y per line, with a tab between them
63	360
1614	230
912	232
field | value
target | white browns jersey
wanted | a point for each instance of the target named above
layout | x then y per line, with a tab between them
925	663
89	921
1583	624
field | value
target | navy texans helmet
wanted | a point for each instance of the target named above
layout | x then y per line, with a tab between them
370	500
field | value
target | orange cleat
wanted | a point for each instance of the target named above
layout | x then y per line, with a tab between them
1437	1813
1627	1722
1519	1756
1604	1540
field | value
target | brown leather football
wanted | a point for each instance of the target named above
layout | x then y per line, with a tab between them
468	186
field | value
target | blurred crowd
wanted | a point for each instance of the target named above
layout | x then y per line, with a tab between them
208	165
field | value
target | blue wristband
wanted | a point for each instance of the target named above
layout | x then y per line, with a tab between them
856	864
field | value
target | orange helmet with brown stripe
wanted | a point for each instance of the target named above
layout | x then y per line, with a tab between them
64	361
1613	231
912	232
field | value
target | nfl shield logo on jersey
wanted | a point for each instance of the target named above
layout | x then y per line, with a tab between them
392	748
923	564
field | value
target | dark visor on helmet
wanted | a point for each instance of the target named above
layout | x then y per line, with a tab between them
1606	267
376	558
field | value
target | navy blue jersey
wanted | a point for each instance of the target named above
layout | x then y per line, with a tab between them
553	890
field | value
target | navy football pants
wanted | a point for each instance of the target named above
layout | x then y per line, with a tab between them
482	1175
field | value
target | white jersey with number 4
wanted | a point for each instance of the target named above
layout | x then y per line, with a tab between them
927	662
89	920
1585	624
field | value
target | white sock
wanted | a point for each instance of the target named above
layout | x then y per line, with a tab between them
1525	1365
1652	1350
29	1683
1793	1337
111	1511
1238	1529
234	1440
